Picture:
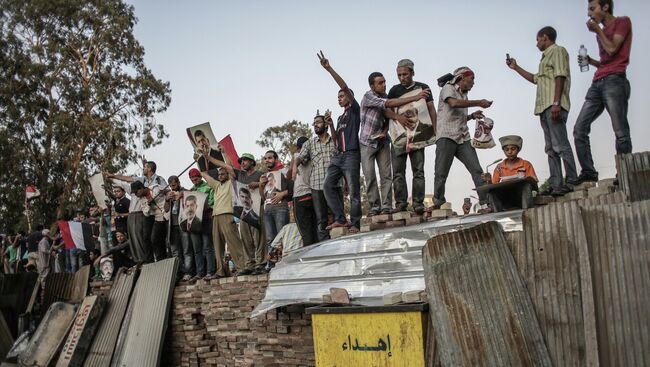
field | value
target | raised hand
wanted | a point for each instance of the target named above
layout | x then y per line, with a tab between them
512	63
484	103
328	117
323	61
592	25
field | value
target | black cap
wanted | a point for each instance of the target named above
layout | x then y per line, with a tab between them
136	185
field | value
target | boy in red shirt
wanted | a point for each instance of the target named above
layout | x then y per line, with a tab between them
512	167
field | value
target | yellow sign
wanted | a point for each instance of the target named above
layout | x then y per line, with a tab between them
382	339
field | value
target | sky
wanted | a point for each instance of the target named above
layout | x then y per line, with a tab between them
247	65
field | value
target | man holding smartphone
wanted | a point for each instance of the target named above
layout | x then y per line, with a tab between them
552	105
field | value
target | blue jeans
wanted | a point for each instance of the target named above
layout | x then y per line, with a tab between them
320	207
346	164
558	149
274	219
612	93
181	247
203	253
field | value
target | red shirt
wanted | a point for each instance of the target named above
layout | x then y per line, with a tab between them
521	166
618	62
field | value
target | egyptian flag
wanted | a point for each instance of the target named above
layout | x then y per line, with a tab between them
230	151
76	235
31	192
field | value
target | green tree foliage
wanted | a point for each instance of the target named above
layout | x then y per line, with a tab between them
75	98
283	138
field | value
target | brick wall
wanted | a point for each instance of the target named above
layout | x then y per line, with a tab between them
210	326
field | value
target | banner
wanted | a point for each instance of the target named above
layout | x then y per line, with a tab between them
99	192
248	204
419	133
191	214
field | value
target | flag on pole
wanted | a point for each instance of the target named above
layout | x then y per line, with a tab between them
76	235
31	192
229	150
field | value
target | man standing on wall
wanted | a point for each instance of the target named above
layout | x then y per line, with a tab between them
610	88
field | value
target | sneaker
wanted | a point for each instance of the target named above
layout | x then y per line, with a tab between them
387	211
211	276
419	210
245	272
400	209
585	178
186	278
547	192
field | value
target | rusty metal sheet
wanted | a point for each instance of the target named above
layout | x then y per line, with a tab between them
49	335
634	175
101	350
618	239
481	311
82	332
66	287
152	301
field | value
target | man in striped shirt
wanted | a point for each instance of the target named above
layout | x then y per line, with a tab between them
552	104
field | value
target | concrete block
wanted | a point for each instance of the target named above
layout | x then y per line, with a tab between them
401	215
392	298
600	190
382	218
372	227
445	206
606	182
366	220
411	296
340	295
364	228
543	200
576	195
395	223
338	232
440	213
414	220
424	297
327	298
584	186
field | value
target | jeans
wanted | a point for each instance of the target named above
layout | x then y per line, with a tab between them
320	208
305	216
203	253
274	219
158	232
345	164
180	247
77	259
380	155
446	150
399	178
612	93
558	149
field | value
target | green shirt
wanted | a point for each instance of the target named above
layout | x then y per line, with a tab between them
555	62
206	189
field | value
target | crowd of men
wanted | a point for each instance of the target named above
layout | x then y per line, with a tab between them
328	166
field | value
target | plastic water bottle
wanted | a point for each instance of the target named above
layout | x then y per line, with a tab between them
584	62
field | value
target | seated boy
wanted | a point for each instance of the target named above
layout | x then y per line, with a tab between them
518	171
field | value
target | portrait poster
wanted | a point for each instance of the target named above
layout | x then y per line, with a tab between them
203	140
248	203
97	186
420	132
106	268
273	185
191	214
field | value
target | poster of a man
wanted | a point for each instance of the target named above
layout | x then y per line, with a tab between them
248	204
192	211
272	186
203	140
418	133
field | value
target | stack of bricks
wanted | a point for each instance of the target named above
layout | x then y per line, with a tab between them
383	221
583	191
211	326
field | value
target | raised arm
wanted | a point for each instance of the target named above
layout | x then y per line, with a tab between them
119	177
219	163
330	123
462	103
512	64
337	78
612	46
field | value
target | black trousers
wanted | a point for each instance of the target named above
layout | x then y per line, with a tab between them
305	217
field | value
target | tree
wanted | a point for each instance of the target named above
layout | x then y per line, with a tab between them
75	98
283	138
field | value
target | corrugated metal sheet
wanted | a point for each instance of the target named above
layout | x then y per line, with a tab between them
124	329
144	339
618	238
66	287
101	350
15	291
49	335
634	175
6	339
481	311
367	265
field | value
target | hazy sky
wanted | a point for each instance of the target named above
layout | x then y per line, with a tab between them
247	65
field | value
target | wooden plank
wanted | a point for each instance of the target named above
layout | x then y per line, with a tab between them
481	311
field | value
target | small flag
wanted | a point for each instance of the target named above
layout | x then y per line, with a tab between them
76	235
229	150
31	192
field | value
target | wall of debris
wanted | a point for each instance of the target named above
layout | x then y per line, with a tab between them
210	326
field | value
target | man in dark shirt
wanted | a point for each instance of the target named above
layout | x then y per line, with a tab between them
405	73
34	238
346	162
120	209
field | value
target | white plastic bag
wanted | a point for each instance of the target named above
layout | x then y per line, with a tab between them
483	134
